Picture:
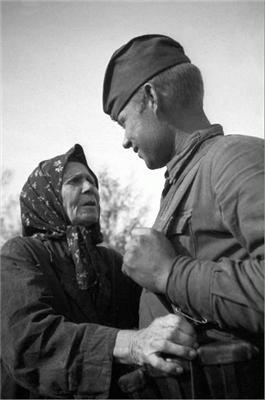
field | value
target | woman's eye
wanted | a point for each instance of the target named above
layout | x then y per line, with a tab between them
75	181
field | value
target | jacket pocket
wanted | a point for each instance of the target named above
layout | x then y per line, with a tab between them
180	233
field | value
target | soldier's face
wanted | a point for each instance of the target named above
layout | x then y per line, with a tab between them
146	135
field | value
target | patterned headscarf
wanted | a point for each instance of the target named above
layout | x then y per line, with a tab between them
43	214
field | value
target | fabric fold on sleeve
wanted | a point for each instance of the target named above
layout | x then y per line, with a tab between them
228	292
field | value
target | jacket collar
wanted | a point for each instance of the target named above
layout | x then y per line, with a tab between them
196	141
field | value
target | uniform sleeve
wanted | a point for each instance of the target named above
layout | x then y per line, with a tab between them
43	351
230	292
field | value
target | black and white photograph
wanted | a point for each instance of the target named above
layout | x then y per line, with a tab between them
132	199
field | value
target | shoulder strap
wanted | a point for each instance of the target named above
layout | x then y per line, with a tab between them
166	213
174	197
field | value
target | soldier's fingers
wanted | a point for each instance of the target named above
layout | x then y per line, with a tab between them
124	269
141	231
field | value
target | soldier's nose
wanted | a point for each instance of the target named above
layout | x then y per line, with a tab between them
126	143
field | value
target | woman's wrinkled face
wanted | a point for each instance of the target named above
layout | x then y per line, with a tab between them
80	195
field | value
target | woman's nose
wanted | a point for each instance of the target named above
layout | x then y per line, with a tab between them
86	186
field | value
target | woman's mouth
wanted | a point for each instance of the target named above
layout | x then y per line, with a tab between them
89	203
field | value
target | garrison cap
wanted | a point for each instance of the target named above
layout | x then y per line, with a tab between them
133	64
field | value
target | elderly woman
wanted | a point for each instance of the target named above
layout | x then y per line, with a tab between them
68	312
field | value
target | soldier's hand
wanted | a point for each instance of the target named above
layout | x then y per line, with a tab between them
148	259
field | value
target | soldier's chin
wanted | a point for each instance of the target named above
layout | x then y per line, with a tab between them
151	164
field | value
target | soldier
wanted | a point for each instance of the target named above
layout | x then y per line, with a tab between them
204	256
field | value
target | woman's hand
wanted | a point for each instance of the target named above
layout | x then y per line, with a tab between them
166	345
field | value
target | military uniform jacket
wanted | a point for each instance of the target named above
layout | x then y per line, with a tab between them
213	213
58	340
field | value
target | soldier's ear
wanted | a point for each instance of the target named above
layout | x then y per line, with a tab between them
151	96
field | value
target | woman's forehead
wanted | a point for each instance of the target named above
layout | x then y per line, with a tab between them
74	167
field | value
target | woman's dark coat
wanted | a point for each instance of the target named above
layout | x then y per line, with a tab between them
64	298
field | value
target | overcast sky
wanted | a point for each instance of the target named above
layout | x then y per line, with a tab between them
54	56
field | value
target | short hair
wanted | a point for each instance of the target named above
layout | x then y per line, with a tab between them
181	84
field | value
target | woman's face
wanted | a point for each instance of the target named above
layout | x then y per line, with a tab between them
80	195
